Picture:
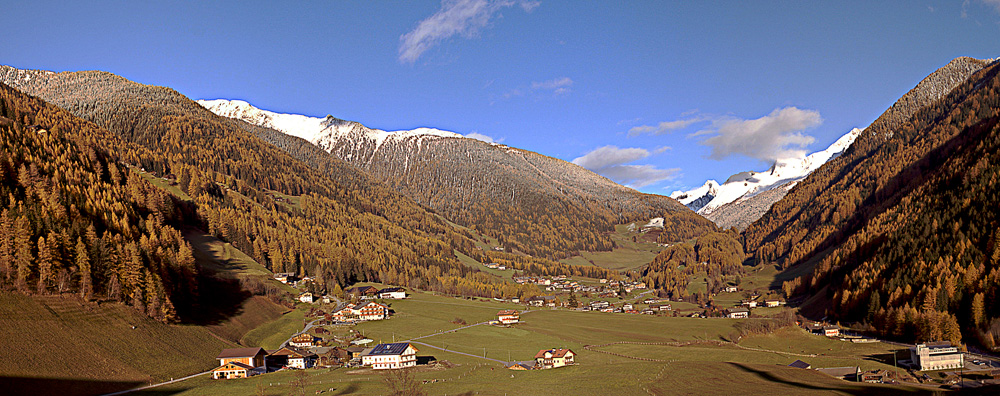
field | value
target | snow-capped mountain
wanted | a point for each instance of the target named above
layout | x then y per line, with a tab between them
699	197
323	132
494	187
743	185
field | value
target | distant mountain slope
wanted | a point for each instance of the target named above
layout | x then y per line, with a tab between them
316	214
531	203
901	231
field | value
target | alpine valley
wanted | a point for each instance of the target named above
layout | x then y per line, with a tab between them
155	244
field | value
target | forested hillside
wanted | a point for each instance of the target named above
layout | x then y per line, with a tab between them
76	220
902	229
717	255
287	214
531	203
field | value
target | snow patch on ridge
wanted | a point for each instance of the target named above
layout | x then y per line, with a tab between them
323	132
784	172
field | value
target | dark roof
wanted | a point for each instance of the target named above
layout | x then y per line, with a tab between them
939	344
396	348
739	309
392	289
293	352
800	364
240	353
355	349
556	353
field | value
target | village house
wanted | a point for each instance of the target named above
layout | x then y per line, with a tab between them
738	313
303	340
232	370
362	311
651	301
395	293
831	331
599	304
293	358
253	357
508	316
240	363
936	356
752	303
552	358
372	311
731	289
800	364
520	366
772	303
306	297
285	277
660	307
390	356
363	292
626	307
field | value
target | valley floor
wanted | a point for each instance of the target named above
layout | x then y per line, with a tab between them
616	354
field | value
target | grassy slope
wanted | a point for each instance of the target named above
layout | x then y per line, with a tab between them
628	255
270	335
62	337
697	369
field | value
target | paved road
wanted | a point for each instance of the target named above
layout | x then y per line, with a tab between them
309	325
448	331
155	385
460	353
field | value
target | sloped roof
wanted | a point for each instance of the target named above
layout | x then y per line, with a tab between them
800	364
396	348
293	352
240	353
556	353
507	312
237	364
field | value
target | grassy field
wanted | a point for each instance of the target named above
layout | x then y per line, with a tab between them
472	263
705	367
270	335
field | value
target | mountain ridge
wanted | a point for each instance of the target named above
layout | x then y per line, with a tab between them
477	175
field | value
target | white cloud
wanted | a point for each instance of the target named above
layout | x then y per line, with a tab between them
479	136
612	162
774	136
456	17
664	127
552	84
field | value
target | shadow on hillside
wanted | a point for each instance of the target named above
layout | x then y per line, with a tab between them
219	299
75	387
846	388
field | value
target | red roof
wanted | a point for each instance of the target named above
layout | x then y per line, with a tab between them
507	312
556	353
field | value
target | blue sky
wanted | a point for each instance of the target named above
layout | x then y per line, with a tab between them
660	95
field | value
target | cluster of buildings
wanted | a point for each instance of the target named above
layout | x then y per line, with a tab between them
361	312
495	266
371	293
